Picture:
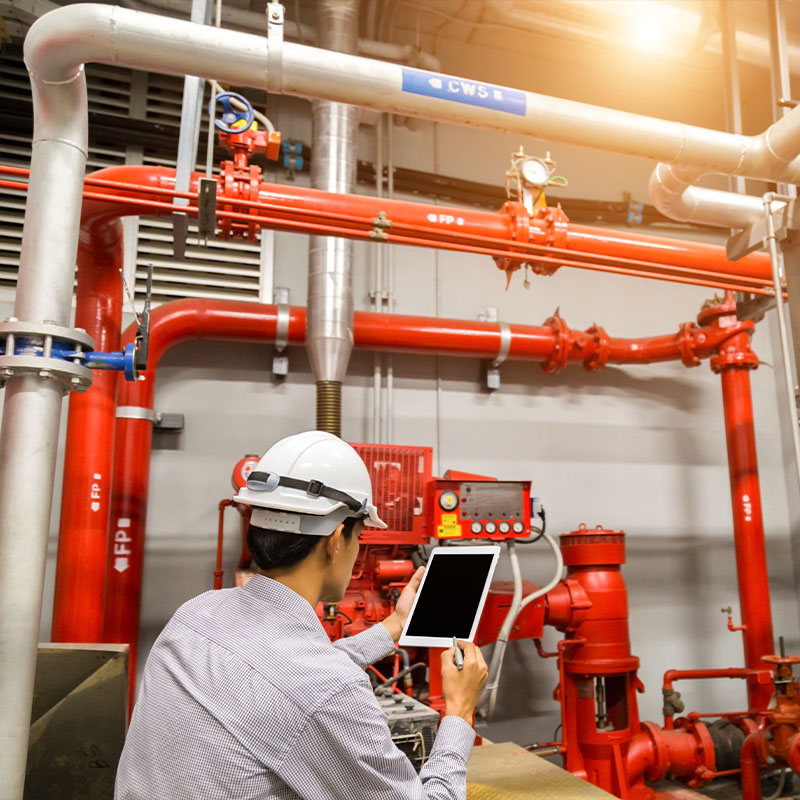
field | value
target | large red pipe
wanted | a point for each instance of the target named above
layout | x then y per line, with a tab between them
734	363
86	487
86	493
553	344
548	240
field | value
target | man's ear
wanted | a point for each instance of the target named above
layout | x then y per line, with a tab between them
334	542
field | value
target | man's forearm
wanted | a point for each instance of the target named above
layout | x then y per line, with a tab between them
393	625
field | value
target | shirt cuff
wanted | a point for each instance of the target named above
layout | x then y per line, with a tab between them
455	735
368	646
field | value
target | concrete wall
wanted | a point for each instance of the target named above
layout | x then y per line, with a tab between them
640	449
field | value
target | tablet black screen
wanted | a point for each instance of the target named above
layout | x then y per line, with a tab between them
450	596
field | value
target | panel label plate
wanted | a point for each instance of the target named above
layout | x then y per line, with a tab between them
459	90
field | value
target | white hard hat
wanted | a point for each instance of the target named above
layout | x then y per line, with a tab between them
309	483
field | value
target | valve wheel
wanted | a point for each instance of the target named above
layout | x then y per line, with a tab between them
781	659
232	117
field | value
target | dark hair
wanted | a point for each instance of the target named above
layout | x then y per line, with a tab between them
274	549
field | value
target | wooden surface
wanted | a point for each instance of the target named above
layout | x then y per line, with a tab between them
506	771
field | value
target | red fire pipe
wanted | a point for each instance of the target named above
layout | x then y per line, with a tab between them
751	778
546	241
80	570
83	526
554	344
733	363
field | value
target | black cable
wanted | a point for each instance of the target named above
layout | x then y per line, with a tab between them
539	534
401	674
341	613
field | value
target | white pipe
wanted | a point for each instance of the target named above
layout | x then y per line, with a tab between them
28	446
255	21
499	650
776	260
87	32
674	195
498	654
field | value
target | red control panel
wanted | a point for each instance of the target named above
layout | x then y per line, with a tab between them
478	508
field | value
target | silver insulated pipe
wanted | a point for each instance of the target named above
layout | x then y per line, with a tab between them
329	326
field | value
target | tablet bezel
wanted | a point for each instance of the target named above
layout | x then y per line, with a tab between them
450	552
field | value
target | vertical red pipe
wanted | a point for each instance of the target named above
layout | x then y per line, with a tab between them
125	563
80	566
734	362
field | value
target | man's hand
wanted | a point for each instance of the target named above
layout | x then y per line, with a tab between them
462	688
396	622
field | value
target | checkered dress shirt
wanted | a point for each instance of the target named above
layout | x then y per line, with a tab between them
244	696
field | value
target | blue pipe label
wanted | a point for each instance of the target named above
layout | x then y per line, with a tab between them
459	90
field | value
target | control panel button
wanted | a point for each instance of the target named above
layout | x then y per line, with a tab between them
505	526
490	527
476	527
518	526
448	500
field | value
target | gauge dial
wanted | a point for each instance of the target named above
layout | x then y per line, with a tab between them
448	500
534	171
490	527
505	526
518	526
476	527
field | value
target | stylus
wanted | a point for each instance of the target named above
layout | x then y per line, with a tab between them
458	654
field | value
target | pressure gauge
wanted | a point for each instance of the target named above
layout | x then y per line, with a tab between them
476	527
504	526
448	500
490	527
534	171
518	526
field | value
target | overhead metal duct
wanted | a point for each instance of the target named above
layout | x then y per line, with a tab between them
330	260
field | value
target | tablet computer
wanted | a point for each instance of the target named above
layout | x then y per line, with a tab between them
450	598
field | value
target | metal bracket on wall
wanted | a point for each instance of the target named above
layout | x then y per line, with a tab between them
493	367
280	358
785	217
161	421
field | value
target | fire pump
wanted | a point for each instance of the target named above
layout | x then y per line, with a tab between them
603	740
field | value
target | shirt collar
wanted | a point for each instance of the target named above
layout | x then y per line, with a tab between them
284	600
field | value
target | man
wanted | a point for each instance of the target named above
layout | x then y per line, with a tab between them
244	696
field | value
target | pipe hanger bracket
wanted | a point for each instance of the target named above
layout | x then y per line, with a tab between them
275	14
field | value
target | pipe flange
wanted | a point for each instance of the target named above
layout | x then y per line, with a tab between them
686	344
519	222
45	350
733	357
57	333
71	376
557	229
602	344
659	767
559	358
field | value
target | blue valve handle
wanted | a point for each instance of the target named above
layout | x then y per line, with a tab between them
231	115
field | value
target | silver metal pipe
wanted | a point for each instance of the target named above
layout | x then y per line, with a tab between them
88	32
674	194
28	445
776	259
329	325
377	280
730	63
779	73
